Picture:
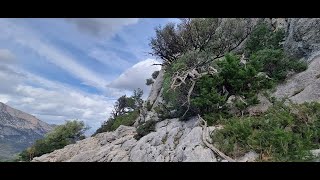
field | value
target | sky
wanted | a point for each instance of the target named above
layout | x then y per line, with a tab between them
74	68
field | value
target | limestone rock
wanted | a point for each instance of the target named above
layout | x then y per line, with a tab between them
315	152
104	147
280	23
248	157
303	38
156	87
261	107
153	100
302	87
173	140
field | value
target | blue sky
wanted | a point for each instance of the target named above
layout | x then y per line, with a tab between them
61	69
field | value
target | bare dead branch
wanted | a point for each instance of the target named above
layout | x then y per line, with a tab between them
188	98
205	135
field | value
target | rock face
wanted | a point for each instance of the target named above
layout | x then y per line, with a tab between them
303	38
152	101
303	41
156	88
104	147
18	130
302	87
261	107
173	140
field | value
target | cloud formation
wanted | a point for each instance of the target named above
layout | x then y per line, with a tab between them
27	38
101	26
6	57
51	101
135	76
109	58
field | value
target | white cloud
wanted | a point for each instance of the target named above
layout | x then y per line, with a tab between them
25	37
6	57
9	79
135	76
101	26
109	58
53	102
4	98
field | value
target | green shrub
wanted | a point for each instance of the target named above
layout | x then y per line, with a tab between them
112	124
155	74
283	133
263	37
145	129
161	111
168	95
149	81
239	79
275	63
125	112
61	136
126	120
105	127
148	106
207	97
267	55
215	118
174	98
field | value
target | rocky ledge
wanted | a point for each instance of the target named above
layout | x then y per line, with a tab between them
173	140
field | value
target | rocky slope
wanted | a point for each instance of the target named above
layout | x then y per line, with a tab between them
180	141
18	130
173	141
302	87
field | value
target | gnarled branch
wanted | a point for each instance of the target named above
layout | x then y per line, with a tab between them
205	135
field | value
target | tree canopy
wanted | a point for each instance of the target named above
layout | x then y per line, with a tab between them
218	35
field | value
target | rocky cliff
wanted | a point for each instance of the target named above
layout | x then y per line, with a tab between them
18	130
181	141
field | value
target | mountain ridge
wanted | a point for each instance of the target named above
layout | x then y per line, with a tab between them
18	130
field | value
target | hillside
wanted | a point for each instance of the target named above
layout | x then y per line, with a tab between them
258	105
18	130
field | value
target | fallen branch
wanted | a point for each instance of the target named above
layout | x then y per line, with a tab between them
210	146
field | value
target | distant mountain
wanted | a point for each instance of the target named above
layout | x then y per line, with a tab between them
18	130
